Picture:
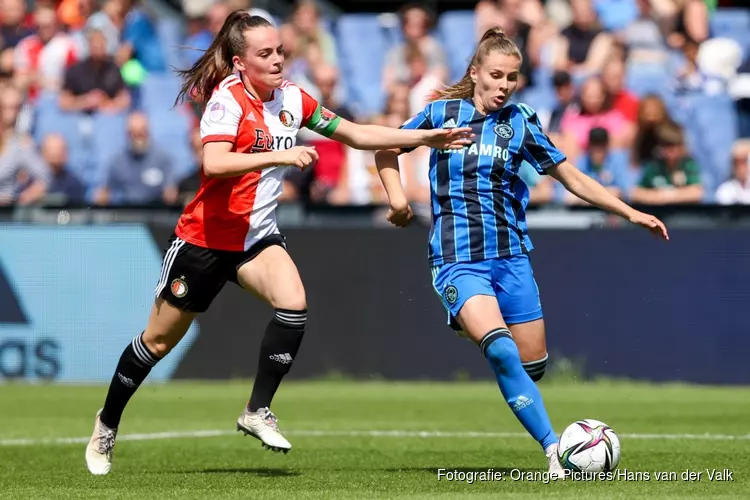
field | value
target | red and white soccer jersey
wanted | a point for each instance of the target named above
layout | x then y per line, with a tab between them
233	213
49	60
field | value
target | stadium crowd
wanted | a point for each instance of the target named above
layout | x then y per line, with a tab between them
651	97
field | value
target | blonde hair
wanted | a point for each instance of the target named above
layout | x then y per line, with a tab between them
494	39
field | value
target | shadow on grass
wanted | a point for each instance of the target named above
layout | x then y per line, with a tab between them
260	472
452	470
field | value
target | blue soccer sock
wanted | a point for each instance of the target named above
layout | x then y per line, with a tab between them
520	392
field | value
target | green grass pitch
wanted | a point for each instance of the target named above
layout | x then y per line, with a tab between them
367	440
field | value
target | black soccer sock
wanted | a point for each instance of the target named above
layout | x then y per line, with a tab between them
134	366
536	369
277	352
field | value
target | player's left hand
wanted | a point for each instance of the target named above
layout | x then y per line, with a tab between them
448	138
651	223
400	215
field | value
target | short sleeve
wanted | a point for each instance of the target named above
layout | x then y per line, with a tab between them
420	121
537	149
309	105
221	118
318	118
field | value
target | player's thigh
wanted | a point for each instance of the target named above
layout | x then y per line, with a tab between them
466	292
190	279
273	276
518	298
479	316
166	327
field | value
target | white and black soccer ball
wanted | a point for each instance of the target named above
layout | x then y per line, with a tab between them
589	446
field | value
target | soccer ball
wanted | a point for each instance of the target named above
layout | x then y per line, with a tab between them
589	446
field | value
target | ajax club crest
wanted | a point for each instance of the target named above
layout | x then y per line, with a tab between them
451	294
504	130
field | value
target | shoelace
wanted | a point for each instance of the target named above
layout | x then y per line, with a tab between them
271	420
106	441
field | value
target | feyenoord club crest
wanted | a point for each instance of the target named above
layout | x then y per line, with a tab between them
179	287
326	115
286	118
504	130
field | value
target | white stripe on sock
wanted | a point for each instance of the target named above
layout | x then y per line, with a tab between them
142	353
530	364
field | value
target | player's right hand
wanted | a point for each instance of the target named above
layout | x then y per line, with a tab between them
399	214
651	223
300	157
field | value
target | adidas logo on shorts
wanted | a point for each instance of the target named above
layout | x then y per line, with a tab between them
281	358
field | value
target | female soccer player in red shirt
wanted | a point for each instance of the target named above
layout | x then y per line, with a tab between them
229	231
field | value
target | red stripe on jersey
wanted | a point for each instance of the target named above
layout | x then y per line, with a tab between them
232	80
219	215
309	105
219	138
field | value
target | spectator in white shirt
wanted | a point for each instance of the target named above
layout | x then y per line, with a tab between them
736	190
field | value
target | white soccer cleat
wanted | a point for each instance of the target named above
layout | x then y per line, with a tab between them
556	470
100	448
262	425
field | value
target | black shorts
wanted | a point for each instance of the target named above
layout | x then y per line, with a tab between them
192	276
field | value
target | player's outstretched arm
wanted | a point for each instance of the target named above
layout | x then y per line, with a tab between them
372	137
594	193
399	213
220	161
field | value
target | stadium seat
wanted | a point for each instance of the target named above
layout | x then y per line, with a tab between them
171	35
728	22
457	33
644	79
616	15
732	23
158	92
715	121
50	119
391	25
109	139
362	46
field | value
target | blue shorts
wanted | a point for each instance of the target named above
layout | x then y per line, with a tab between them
509	279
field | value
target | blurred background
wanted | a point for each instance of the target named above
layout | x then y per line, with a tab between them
651	97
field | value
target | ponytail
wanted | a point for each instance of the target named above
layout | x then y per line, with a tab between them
216	62
494	39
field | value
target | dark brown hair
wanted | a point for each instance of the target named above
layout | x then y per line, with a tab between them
494	39
216	63
670	134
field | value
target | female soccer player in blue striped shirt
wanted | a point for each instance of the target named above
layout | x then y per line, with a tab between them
478	245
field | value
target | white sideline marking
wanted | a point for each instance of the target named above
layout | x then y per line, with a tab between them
374	434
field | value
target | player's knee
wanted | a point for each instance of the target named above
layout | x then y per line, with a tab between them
293	300
291	304
536	368
499	348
